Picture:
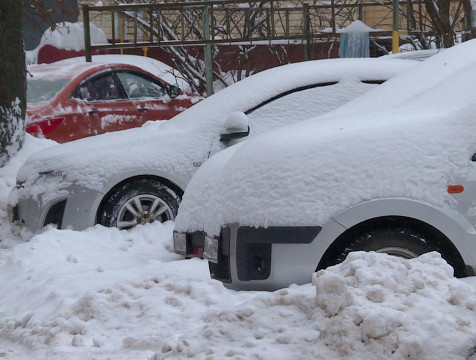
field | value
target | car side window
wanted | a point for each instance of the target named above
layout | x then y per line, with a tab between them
138	86
304	103
99	88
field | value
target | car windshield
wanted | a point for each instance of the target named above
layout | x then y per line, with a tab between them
39	90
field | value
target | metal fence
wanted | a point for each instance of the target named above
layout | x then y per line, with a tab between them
207	23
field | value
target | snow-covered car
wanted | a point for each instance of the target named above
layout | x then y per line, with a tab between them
66	102
393	171
139	175
151	65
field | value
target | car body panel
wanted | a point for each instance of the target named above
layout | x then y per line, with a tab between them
295	264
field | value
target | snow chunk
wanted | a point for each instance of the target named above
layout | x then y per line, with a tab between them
333	293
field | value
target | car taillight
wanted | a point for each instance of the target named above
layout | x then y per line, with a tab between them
44	126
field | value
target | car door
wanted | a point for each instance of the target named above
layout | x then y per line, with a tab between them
149	96
105	106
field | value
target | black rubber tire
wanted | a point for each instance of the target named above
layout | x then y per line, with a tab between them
120	195
397	234
399	241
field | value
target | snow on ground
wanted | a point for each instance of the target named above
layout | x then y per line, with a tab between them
109	294
8	177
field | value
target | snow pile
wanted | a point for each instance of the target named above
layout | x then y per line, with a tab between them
8	177
68	36
386	307
76	295
372	306
103	291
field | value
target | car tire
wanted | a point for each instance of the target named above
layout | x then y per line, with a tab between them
138	202
400	240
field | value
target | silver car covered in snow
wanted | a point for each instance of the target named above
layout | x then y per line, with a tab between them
393	171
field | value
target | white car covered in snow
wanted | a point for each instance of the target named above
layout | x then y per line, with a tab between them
139	175
393	171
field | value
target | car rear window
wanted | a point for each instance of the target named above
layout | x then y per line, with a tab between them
40	90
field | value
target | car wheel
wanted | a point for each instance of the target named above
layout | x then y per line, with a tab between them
139	202
398	238
403	242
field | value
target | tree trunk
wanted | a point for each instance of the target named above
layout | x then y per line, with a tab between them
12	79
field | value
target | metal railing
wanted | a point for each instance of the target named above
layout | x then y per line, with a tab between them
207	23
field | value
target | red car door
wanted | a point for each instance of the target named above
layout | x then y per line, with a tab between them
150	96
105	106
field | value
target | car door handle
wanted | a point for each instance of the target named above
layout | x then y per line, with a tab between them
141	109
94	111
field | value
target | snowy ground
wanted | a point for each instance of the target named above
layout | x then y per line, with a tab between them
106	294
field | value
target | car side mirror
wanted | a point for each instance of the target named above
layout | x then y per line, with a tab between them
236	126
173	91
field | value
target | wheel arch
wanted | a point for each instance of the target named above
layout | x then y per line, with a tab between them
172	185
449	250
449	226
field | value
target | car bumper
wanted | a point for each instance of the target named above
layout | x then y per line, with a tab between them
73	207
270	258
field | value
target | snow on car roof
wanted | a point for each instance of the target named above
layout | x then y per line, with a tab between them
170	146
60	71
411	137
158	68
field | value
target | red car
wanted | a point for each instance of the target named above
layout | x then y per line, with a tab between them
69	102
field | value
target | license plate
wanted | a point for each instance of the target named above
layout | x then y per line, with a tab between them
180	243
210	249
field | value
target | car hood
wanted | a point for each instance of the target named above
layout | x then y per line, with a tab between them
410	144
92	161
